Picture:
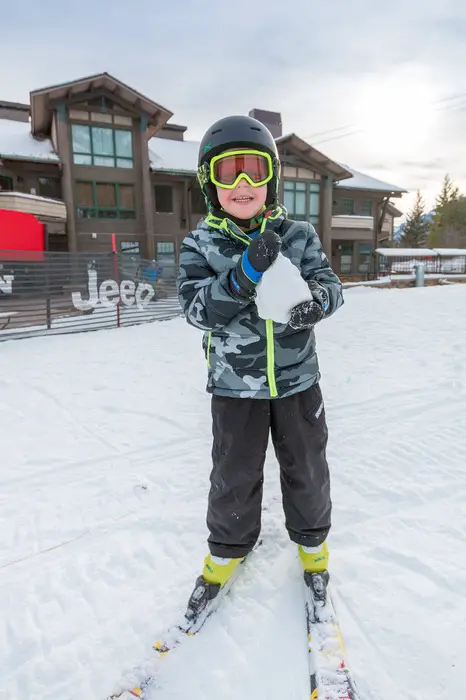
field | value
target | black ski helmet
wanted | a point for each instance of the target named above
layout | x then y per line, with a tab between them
232	132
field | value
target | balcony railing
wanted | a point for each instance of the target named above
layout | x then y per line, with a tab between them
352	221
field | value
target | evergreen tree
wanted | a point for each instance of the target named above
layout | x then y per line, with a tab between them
448	194
416	227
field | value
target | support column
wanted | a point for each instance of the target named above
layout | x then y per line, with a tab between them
379	217
326	214
147	195
66	154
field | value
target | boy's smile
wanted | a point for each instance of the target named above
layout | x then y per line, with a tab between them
244	202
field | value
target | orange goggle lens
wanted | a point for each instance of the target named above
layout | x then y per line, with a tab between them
227	169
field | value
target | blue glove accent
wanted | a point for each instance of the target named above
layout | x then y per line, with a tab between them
234	282
249	270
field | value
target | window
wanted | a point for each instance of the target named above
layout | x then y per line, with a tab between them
314	202
49	187
198	205
105	200
302	200
163	199
130	247
102	146
6	183
365	254
366	208
166	251
348	206
346	259
295	199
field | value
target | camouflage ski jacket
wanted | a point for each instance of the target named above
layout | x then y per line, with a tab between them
246	355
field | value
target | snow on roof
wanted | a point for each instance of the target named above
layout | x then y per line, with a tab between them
16	141
420	252
360	181
450	251
403	252
173	156
181	157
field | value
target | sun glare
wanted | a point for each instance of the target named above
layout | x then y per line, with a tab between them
397	109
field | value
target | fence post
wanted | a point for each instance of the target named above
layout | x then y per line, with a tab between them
48	303
116	275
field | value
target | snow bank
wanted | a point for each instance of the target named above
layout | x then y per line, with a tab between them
106	446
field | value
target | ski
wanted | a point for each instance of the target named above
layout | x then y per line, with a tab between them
188	626
329	675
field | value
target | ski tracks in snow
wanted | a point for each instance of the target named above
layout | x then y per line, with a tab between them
103	486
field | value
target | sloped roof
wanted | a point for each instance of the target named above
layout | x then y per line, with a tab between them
41	100
166	155
340	172
17	142
181	157
361	181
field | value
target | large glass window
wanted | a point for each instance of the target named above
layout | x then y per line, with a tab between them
166	251
102	146
198	205
50	187
366	207
314	203
348	206
163	199
365	253
346	259
302	200
295	199
6	183
105	200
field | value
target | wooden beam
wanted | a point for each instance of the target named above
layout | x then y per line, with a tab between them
91	94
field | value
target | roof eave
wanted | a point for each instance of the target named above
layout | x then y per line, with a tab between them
31	159
158	115
327	164
387	192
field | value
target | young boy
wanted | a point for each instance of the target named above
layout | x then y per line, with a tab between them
263	377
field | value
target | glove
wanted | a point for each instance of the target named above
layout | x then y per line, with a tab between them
319	294
308	313
256	259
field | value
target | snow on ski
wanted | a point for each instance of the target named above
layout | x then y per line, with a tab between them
329	675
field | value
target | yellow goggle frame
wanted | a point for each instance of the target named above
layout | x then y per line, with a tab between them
241	176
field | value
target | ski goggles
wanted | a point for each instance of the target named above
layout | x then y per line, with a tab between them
227	169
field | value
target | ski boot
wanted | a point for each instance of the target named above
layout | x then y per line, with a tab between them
316	575
216	574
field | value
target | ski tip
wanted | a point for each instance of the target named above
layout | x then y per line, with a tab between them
137	692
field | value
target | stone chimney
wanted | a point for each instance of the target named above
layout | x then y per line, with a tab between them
272	120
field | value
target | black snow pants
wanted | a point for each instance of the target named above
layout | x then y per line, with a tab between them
241	429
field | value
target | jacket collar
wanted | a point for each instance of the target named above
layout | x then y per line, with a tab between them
272	219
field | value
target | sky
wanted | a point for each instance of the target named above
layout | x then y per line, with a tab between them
378	86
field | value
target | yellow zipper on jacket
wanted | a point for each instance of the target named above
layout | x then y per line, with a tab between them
271	358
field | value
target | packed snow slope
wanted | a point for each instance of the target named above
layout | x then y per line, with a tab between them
105	458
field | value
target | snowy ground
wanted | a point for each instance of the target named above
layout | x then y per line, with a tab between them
105	457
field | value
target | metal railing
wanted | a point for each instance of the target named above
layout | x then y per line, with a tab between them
434	264
55	293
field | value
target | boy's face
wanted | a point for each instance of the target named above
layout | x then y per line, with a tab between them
244	202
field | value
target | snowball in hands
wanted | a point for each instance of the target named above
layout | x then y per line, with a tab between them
280	288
